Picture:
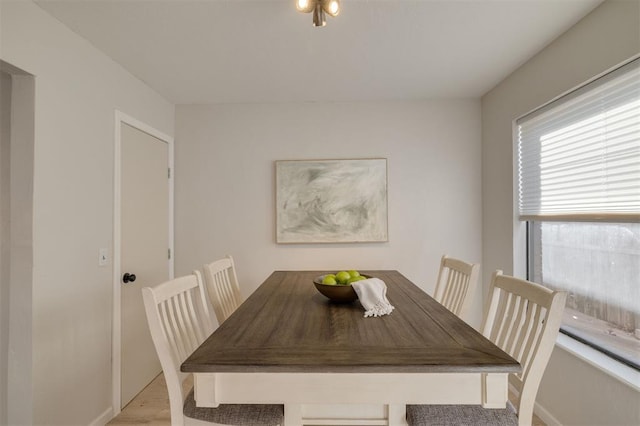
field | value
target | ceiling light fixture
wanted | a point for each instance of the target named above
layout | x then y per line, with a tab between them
319	8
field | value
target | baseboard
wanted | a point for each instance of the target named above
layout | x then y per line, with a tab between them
540	411
103	418
545	415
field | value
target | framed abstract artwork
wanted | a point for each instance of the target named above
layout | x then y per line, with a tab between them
331	201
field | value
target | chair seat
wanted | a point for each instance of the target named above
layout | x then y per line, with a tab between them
460	415
236	414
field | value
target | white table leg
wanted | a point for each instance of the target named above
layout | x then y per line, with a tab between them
292	415
495	390
397	414
204	387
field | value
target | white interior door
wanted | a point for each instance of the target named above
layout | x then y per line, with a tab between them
144	213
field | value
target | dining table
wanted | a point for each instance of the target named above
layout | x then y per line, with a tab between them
329	365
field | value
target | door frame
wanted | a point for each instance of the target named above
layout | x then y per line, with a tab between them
116	347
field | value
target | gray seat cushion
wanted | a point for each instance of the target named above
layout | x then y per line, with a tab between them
236	414
460	415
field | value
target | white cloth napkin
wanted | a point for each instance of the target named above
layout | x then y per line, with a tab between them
372	293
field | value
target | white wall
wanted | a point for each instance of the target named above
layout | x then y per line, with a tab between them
225	183
579	394
77	92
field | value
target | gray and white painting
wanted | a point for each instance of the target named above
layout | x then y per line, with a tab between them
331	201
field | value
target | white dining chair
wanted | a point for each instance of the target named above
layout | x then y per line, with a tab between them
222	286
523	319
175	313
456	284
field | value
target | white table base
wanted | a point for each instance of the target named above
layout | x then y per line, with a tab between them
350	398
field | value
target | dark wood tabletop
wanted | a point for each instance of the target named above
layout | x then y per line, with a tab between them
287	326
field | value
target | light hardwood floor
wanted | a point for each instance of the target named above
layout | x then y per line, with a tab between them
151	407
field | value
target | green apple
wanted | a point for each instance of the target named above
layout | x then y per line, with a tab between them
353	273
354	279
342	277
329	279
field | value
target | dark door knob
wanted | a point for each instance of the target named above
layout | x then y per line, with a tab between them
127	277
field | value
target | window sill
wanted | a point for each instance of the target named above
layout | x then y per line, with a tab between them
602	362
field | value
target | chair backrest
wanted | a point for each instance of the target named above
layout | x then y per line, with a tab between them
222	287
178	319
456	285
523	319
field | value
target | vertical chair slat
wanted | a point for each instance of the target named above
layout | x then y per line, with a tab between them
456	292
527	326
514	324
518	320
166	327
180	345
500	313
448	289
194	324
188	318
198	332
533	341
191	319
229	300
225	297
183	322
459	291
222	293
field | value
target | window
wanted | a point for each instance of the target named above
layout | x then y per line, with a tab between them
579	191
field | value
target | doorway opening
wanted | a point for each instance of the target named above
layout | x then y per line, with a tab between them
17	123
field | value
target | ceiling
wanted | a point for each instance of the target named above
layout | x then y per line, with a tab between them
228	51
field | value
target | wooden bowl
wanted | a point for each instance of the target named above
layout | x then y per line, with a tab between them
336	292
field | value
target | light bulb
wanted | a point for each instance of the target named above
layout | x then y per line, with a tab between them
333	8
305	6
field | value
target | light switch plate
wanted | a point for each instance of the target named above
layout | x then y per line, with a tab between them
103	257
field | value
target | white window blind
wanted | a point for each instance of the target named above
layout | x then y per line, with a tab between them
579	156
